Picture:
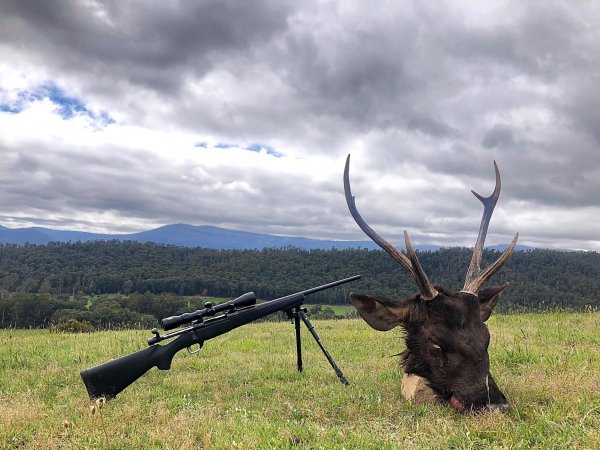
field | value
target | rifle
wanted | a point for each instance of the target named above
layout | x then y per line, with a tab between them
109	379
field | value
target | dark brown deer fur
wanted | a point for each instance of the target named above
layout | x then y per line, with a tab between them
446	337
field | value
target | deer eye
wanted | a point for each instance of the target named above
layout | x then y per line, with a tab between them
440	353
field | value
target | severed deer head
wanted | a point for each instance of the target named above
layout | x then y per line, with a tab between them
446	337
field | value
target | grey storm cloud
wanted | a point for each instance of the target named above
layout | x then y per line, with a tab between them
425	92
151	44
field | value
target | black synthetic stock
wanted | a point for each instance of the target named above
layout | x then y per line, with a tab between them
247	299
109	379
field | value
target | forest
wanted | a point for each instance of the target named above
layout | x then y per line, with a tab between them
126	283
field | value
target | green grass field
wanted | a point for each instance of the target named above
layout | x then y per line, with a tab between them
243	391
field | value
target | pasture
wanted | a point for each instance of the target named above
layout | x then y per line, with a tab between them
243	391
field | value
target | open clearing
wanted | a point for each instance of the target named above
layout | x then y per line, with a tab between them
243	391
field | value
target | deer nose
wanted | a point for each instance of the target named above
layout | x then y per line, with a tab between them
457	404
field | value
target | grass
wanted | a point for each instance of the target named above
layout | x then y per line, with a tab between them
341	310
243	391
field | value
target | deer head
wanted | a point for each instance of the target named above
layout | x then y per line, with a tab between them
446	336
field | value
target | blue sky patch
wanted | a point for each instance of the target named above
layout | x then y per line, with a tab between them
267	148
224	145
257	148
4	107
68	107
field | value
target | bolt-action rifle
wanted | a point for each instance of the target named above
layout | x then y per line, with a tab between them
110	378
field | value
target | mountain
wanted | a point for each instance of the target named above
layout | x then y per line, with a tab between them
22	235
206	236
183	235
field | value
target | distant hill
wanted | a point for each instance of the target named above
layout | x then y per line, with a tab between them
183	235
205	236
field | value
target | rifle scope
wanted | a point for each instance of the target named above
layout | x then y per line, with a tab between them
247	299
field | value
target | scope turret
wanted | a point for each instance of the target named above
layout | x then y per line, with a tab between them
247	299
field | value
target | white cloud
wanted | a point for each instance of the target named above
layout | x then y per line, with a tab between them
424	96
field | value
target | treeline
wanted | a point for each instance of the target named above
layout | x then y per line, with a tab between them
82	313
27	310
61	272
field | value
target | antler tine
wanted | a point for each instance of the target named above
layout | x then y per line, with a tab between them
489	204
475	276
485	275
426	294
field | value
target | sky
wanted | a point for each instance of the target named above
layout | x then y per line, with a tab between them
121	116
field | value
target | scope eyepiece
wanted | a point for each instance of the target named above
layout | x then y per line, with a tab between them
247	299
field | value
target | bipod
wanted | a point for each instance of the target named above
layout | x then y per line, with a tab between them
298	313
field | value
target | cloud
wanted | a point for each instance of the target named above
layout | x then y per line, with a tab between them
125	115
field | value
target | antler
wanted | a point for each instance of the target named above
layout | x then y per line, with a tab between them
475	276
412	265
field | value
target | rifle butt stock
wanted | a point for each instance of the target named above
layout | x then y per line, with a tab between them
109	379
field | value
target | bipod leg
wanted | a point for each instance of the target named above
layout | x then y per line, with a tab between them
293	315
298	340
311	328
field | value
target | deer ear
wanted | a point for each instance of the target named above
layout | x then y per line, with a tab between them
381	313
488	298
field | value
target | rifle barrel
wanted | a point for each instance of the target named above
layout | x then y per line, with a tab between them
330	285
